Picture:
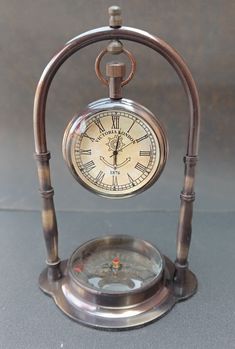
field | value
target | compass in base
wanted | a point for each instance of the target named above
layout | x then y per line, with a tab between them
116	282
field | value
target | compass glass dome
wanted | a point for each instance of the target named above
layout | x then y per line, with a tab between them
118	264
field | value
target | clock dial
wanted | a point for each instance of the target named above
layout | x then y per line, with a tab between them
115	152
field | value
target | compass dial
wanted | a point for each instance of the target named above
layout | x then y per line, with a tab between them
115	152
118	268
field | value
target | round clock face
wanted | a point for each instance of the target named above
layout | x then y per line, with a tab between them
115	152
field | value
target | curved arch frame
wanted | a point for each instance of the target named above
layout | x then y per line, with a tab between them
42	155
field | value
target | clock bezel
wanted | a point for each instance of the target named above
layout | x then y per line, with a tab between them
126	105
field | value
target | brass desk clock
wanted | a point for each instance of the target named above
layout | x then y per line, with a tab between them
116	148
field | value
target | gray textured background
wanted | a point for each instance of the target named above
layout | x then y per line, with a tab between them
203	32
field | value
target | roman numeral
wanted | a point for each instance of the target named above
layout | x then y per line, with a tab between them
131	180
130	126
145	152
86	135
99	125
115	121
142	138
88	166
99	178
85	151
140	167
115	181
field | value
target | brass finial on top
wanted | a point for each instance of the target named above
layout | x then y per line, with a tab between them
115	19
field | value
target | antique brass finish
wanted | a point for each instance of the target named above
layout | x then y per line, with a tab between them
112	310
101	77
176	282
116	73
115	19
115	70
115	47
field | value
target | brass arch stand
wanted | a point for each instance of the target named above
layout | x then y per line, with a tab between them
182	281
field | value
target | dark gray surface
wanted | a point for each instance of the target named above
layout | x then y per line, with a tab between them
29	319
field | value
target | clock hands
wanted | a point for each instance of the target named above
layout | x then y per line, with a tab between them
123	148
115	153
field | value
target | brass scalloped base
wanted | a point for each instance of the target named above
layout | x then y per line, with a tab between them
119	318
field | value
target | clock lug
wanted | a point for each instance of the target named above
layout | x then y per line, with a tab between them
115	72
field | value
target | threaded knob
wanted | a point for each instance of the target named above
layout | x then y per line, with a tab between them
115	70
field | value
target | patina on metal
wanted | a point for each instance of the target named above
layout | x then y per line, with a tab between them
179	282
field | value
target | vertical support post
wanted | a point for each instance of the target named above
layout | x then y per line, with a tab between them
49	223
185	226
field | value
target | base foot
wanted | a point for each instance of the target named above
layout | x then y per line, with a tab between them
185	284
122	318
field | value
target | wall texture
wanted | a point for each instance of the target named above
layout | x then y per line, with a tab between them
202	31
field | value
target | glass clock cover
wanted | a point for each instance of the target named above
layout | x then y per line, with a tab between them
115	148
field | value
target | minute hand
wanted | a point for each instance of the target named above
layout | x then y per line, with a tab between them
115	153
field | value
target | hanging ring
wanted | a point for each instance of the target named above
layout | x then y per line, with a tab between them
100	75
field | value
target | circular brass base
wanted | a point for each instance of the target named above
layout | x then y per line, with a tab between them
117	318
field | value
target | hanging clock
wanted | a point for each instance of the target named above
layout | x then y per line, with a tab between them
116	148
